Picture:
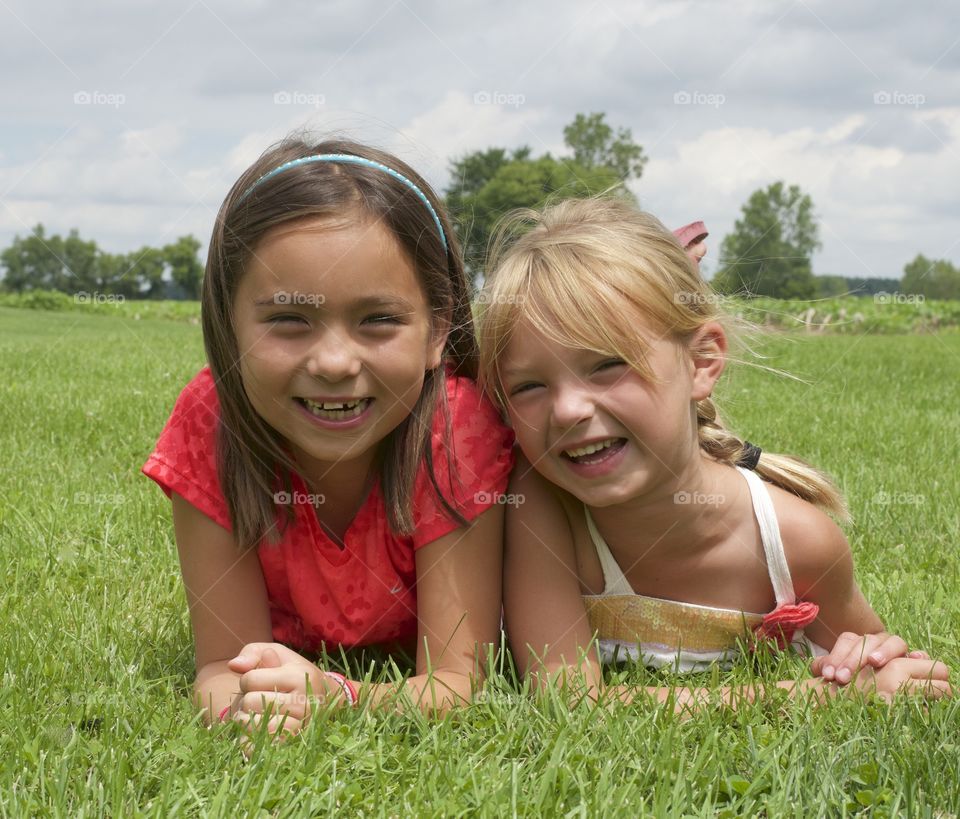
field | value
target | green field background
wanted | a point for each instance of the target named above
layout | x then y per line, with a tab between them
97	652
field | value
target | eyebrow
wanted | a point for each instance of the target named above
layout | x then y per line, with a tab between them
361	304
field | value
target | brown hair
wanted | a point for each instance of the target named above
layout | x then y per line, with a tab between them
252	463
582	272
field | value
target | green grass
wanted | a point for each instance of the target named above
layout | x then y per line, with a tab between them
97	653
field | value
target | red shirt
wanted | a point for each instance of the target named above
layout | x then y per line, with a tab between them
364	593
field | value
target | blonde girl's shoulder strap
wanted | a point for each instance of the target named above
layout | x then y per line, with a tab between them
770	535
614	580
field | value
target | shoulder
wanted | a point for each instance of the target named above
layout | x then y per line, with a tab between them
472	432
471	459
197	403
184	459
815	547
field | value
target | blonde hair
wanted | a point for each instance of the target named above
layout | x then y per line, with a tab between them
584	273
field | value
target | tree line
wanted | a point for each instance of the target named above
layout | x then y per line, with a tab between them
768	253
74	265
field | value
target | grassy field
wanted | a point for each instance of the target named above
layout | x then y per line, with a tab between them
97	653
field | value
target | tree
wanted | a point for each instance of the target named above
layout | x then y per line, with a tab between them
486	185
185	268
72	265
768	253
594	145
830	286
931	278
35	262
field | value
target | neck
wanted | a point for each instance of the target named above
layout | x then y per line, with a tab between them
682	517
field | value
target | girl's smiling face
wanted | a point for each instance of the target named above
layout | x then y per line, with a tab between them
594	426
335	336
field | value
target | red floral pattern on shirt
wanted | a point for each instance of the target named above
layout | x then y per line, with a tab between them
364	593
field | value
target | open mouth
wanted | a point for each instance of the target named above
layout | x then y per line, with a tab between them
594	453
335	410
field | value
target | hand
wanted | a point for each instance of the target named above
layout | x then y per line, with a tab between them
906	675
852	652
278	684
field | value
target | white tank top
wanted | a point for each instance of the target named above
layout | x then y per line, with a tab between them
686	636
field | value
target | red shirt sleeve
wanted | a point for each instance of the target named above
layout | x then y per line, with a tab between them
480	452
185	457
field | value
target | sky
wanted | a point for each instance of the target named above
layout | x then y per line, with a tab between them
129	121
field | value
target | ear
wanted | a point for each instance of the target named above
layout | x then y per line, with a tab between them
439	331
708	357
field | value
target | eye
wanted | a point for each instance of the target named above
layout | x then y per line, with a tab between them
382	319
284	319
610	363
526	386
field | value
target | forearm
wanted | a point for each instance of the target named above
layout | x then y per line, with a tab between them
215	688
434	693
692	699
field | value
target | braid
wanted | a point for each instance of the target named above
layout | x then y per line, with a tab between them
789	473
715	439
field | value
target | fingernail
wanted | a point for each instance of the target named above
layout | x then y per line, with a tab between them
843	675
828	672
877	657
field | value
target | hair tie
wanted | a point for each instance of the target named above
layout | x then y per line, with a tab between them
750	456
351	159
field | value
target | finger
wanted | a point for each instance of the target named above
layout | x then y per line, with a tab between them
278	725
248	658
918	655
889	648
284	678
931	689
846	643
265	702
859	656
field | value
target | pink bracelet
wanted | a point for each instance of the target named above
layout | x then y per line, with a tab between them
348	688
223	713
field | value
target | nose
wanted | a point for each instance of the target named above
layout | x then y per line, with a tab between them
571	405
333	357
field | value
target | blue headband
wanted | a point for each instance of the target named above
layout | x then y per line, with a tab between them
350	159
